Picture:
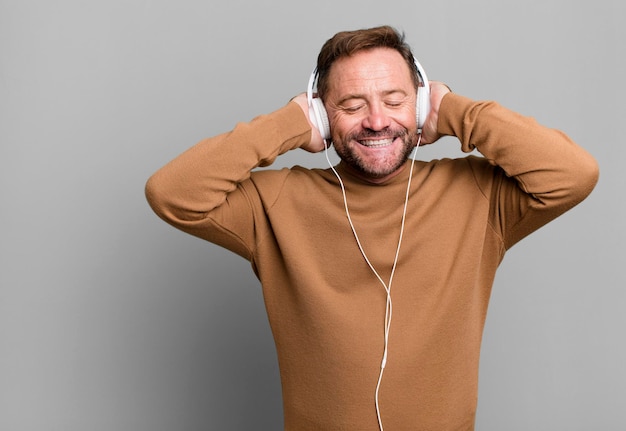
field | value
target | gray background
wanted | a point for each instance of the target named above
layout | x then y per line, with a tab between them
112	320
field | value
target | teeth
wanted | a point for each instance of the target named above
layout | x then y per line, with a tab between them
377	143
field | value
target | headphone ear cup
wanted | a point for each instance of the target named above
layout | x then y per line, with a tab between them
422	108
320	117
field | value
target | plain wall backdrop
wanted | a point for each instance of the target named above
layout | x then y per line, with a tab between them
112	320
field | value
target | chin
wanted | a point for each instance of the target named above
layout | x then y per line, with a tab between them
379	172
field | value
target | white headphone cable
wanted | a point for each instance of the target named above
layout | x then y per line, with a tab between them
389	305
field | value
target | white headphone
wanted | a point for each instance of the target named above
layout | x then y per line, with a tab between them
319	117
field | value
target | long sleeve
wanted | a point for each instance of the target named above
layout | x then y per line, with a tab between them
188	189
551	173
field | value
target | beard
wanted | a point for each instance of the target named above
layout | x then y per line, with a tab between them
387	163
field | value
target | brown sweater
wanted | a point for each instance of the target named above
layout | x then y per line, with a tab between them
325	306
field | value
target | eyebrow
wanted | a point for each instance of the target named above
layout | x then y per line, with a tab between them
362	96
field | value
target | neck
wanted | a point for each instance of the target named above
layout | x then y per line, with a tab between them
372	179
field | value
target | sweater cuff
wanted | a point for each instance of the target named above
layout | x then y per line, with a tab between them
453	114
293	127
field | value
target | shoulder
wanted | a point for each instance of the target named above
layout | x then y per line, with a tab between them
296	173
270	184
471	165
464	172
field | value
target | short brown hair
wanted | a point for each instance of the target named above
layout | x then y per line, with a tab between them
347	43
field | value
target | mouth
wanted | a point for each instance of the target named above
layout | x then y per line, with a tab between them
376	143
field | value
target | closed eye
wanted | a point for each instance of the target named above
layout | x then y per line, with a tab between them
393	104
353	108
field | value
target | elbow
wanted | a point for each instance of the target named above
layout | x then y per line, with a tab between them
156	198
169	203
572	185
152	195
582	179
587	176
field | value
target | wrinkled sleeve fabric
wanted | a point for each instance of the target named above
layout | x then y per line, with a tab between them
538	173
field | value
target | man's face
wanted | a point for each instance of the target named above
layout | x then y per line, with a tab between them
371	109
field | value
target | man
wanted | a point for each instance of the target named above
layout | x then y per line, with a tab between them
377	297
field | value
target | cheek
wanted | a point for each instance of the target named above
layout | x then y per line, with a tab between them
407	119
342	125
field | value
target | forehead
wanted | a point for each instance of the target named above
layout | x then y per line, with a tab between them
379	69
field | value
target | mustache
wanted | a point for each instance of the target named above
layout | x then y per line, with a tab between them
387	132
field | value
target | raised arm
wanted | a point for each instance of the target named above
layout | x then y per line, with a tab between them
551	173
187	190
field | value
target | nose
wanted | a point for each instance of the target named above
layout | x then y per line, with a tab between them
376	118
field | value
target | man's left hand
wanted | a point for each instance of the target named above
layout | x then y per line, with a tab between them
429	132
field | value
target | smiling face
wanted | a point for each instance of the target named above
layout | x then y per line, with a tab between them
371	108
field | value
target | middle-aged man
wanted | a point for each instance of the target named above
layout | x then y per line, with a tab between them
376	273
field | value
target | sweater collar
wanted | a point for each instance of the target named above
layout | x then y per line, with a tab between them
348	174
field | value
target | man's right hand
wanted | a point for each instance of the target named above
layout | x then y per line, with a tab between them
316	144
